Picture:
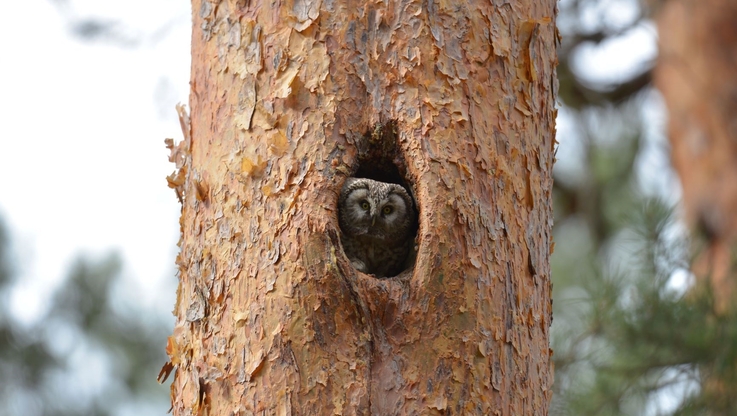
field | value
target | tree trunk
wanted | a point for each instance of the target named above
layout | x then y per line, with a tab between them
697	75
455	100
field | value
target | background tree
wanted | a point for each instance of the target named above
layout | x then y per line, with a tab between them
289	101
627	341
697	75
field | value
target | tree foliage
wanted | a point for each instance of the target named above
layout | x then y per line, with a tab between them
93	352
632	333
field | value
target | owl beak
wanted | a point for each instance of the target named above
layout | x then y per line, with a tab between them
373	216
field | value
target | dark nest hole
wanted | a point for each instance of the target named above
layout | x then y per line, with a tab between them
380	159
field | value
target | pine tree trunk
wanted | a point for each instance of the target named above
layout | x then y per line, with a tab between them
288	100
697	75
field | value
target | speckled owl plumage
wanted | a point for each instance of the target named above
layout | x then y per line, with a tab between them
377	222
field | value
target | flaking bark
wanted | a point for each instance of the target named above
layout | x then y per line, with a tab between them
288	99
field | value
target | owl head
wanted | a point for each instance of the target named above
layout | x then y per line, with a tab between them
379	210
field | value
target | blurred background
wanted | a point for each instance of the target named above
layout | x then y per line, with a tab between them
643	323
88	226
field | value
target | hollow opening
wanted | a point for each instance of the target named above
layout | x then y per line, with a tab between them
379	220
380	159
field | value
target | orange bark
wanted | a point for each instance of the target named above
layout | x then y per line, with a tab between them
697	75
288	99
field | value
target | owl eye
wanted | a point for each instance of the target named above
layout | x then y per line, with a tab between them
387	210
365	205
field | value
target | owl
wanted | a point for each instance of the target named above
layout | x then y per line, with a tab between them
377	222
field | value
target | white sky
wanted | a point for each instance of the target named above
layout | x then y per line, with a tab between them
82	156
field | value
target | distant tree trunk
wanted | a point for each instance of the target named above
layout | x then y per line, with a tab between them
697	75
288	100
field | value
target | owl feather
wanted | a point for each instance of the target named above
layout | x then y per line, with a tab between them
377	222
